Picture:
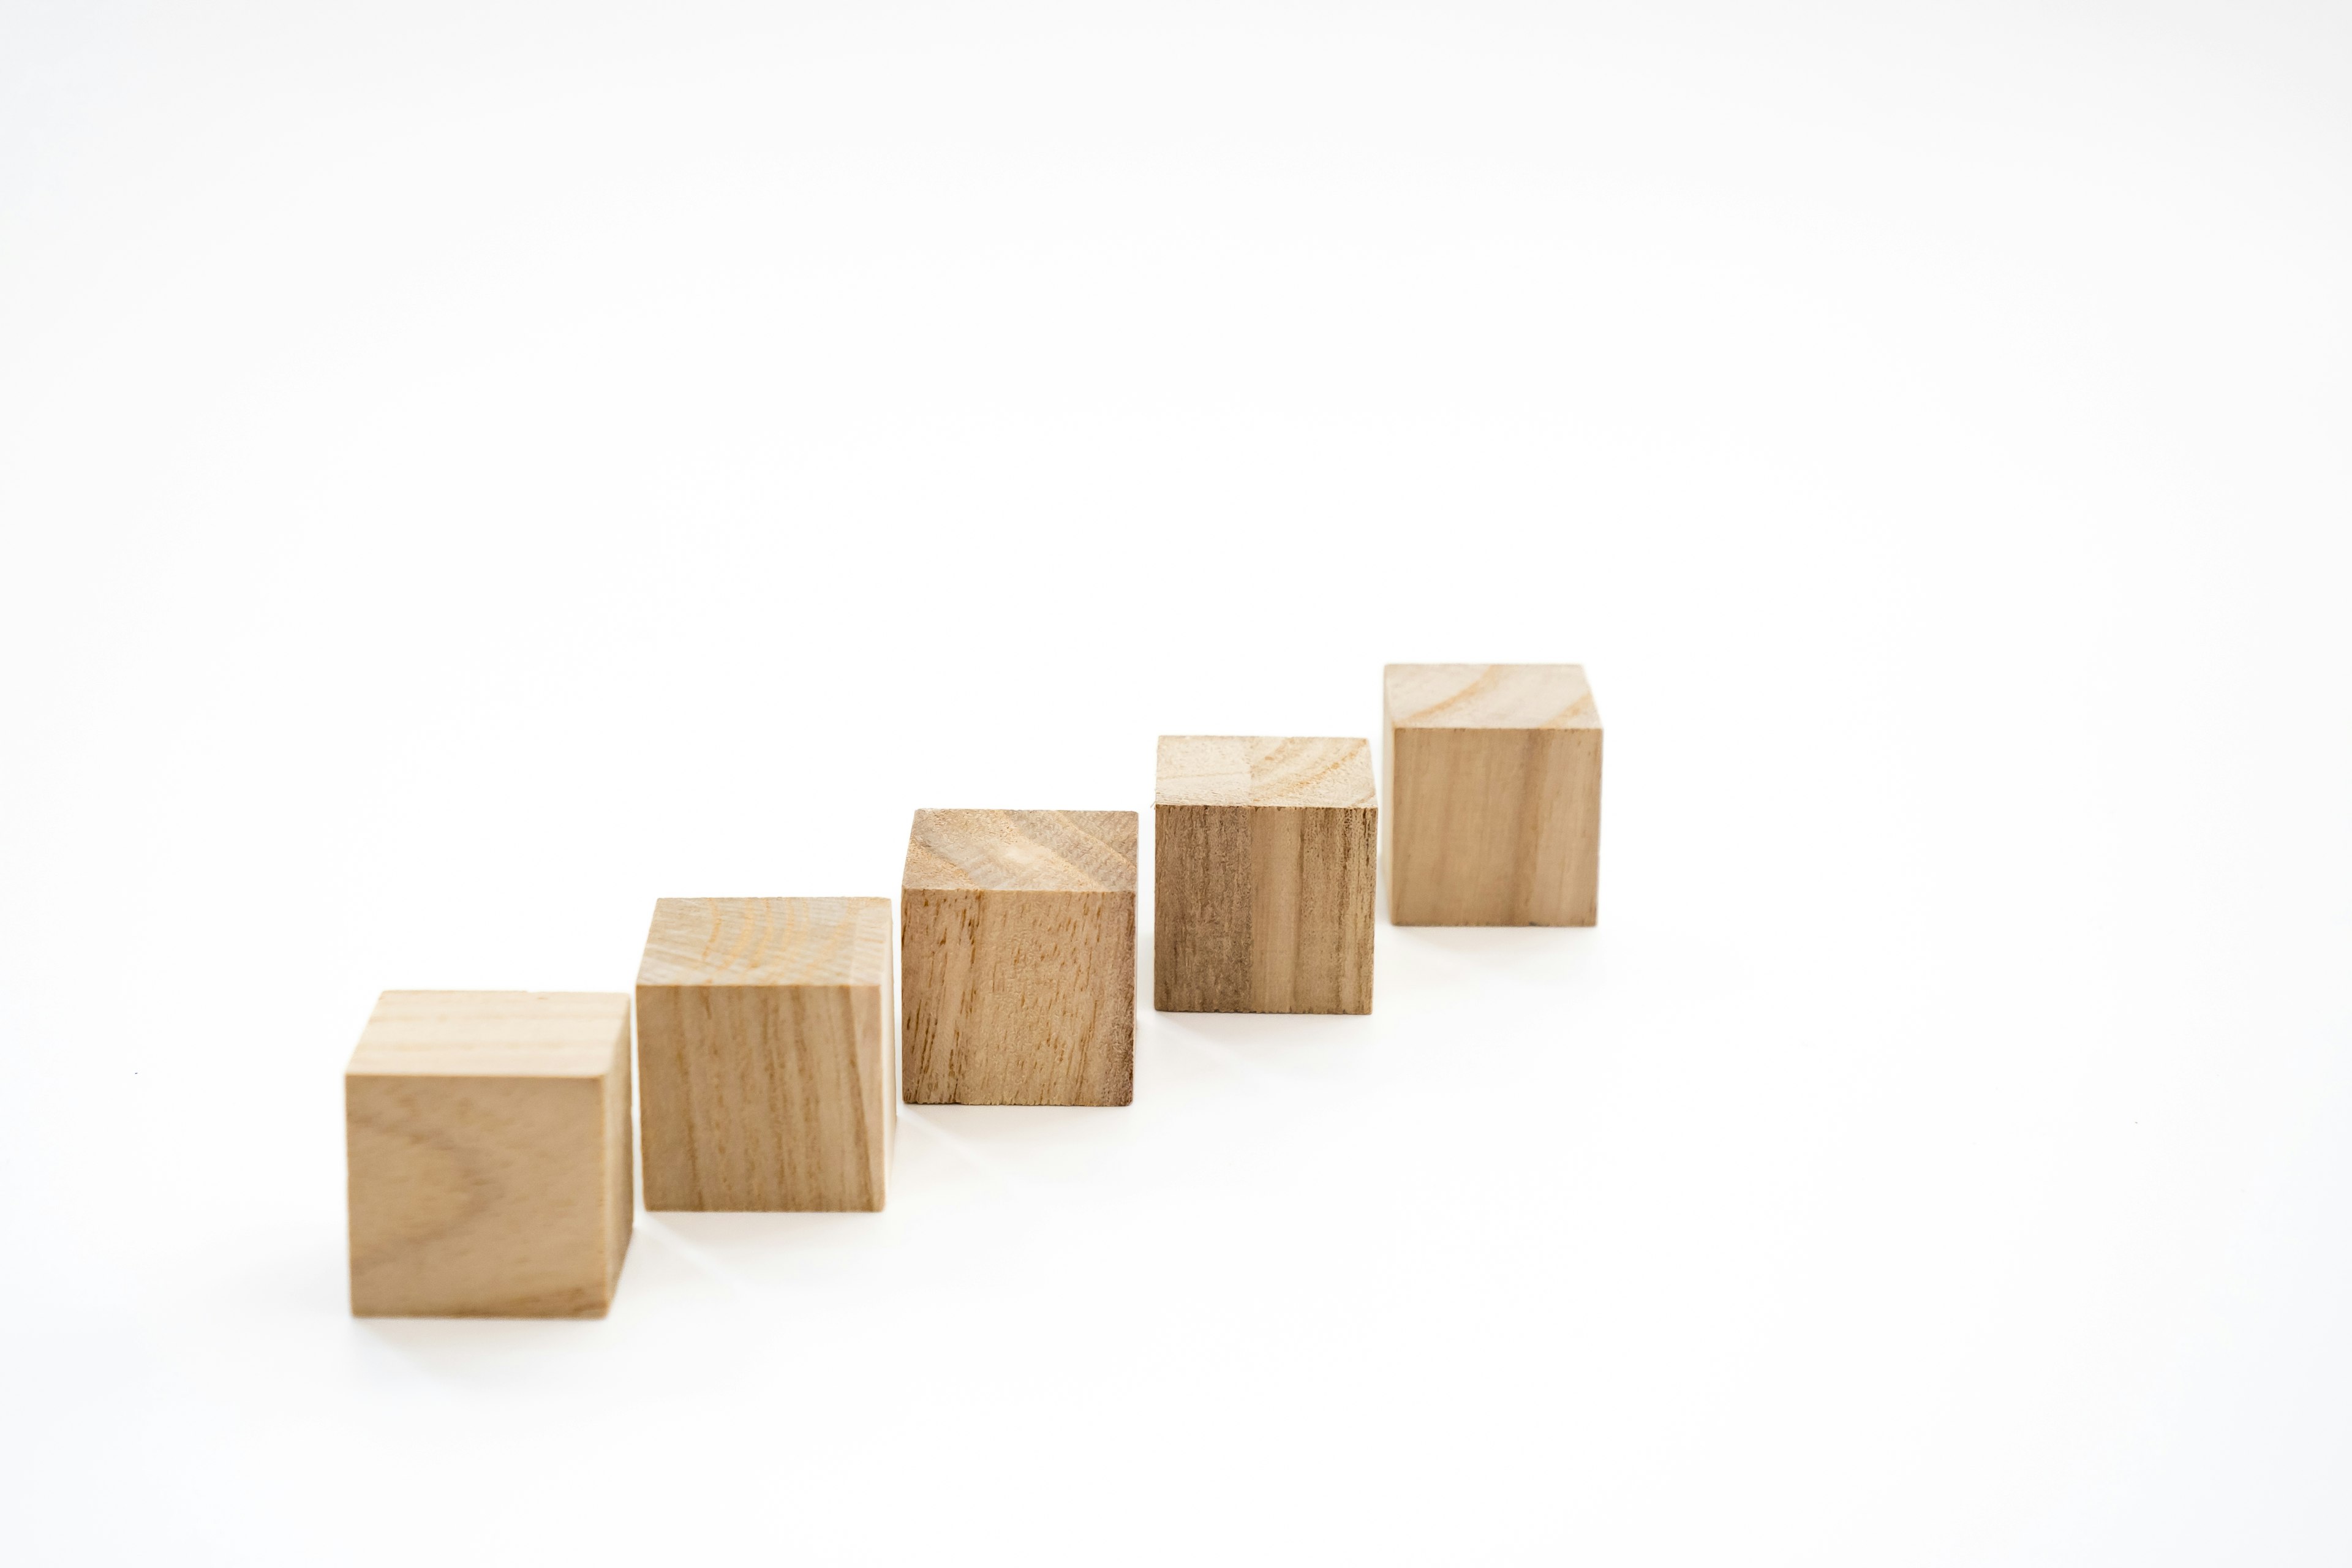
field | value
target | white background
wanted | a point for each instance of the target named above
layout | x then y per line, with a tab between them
468	471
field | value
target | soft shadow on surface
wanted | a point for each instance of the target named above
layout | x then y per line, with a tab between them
1262	1035
1198	1060
745	1253
494	1335
977	1137
719	1232
723	1262
312	1280
480	1353
964	1140
1524	953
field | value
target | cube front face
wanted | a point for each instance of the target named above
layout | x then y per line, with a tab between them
1264	858
1018	952
488	1139
1494	796
764	1047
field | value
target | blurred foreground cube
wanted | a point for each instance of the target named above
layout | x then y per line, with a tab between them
1264	875
1494	794
1017	946
487	1135
767	1046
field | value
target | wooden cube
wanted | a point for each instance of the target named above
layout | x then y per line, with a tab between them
1264	862
766	1053
1494	786
1018	942
487	1135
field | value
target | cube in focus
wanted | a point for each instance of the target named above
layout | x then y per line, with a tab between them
766	1056
1494	786
1264	862
1017	949
487	1138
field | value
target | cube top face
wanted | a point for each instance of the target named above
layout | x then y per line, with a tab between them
1490	697
768	941
1023	851
490	1034
1263	769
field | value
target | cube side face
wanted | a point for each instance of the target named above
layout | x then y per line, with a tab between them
621	1158
1495	826
1388	787
479	1196
1314	872
885	1045
765	1097
1018	998
1202	906
1263	909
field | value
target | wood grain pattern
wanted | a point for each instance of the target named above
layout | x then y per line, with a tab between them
764	1044
1265	870
1494	783
1018	947
488	1139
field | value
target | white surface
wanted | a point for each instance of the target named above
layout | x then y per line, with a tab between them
468	472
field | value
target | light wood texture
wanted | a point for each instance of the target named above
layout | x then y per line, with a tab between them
1494	794
766	1050
488	1137
1264	875
1018	947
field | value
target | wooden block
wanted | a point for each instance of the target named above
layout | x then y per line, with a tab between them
487	1133
1018	946
1494	783
1264	872
764	1041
